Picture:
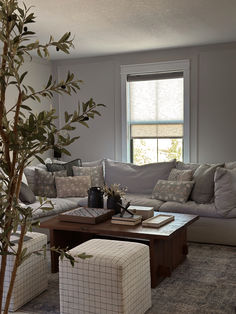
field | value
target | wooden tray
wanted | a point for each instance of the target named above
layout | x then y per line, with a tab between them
157	221
86	215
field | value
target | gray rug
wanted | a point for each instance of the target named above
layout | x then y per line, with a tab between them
204	283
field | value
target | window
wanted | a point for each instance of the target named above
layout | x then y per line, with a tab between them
156	113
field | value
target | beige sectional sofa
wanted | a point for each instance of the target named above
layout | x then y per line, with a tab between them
213	186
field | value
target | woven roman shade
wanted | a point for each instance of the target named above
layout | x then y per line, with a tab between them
156	105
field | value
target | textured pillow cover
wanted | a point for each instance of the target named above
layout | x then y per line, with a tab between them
187	166
92	163
203	190
45	182
73	186
180	175
53	167
137	179
26	194
177	191
230	164
29	172
96	174
225	192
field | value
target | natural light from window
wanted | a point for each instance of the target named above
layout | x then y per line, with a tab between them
156	119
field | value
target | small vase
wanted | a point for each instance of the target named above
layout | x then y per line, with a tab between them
112	203
95	197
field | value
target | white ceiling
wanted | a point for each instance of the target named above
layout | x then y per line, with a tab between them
103	27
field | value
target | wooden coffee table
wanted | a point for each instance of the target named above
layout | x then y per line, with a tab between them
168	244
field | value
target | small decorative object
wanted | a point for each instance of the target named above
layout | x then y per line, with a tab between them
56	152
145	211
114	193
158	221
86	215
125	210
126	219
95	197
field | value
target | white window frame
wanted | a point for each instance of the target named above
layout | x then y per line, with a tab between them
152	68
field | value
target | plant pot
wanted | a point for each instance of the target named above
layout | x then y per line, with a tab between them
112	203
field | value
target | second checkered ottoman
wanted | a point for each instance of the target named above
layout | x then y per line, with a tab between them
31	277
116	279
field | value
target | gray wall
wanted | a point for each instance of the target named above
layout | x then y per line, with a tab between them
39	71
212	97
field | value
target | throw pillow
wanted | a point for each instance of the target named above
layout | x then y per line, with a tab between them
54	167
177	191
26	195
92	163
45	182
96	174
29	172
180	175
230	164
137	179
186	166
73	186
203	190
225	192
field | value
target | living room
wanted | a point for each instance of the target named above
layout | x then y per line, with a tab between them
151	33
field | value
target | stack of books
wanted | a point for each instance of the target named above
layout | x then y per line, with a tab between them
127	219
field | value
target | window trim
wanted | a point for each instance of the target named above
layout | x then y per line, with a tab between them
152	68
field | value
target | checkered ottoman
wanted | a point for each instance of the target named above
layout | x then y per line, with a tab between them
116	279
31	278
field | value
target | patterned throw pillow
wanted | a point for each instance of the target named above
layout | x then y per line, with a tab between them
180	175
45	182
177	191
73	186
53	167
96	174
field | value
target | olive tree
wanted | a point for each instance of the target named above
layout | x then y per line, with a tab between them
24	134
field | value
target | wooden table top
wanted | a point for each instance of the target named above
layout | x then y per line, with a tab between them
137	231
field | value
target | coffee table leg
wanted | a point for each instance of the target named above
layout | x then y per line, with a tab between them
160	260
54	255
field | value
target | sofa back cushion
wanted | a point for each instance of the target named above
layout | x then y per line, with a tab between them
203	190
225	192
137	179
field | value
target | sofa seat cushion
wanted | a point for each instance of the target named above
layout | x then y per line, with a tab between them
137	179
60	205
191	207
142	200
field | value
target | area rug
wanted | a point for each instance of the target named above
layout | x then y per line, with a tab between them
204	284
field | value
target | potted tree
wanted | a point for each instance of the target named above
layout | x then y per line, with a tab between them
24	134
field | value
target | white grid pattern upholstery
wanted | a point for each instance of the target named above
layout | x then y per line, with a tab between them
31	277
115	280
